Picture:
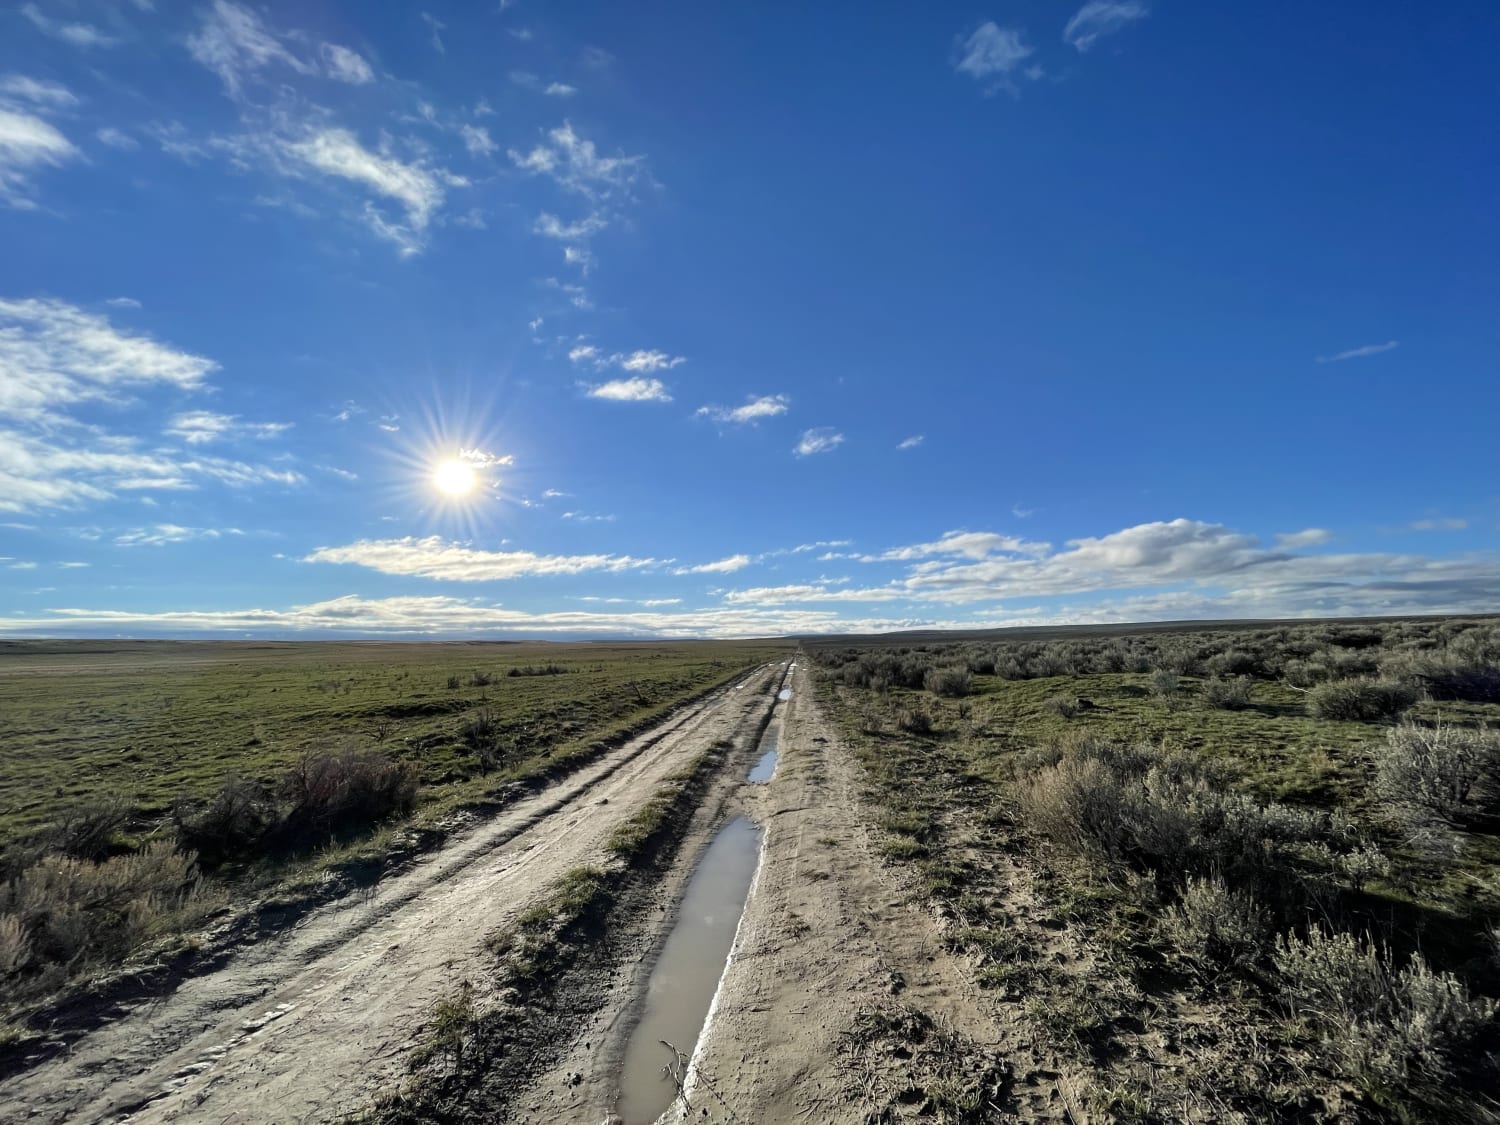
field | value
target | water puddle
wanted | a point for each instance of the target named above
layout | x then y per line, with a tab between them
687	975
784	694
765	765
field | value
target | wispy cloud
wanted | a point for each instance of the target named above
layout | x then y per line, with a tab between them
418	188
1099	18
550	226
436	27
234	42
1439	523
642	361
160	534
722	566
346	65
1310	537
55	356
752	411
77	34
560	90
993	55
29	143
631	390
477	140
434	557
820	439
199	427
911	442
1361	352
574	162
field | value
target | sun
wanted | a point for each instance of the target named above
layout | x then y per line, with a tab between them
455	478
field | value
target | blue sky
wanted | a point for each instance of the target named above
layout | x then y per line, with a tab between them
697	319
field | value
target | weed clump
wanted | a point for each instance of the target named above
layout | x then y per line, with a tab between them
1216	927
954	682
1226	694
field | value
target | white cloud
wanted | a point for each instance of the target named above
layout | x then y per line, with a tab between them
1311	537
234	43
434	557
27	144
631	390
970	544
1099	18
116	138
575	163
437	27
1361	352
993	53
199	427
77	34
39	92
1439	524
417	188
820	439
583	353
346	65
477	140
55	356
161	534
646	361
912	442
722	566
560	90
123	303
552	227
766	406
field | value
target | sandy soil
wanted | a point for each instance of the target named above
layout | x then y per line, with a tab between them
305	1027
831	932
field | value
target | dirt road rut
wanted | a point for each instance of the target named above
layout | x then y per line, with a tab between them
305	1026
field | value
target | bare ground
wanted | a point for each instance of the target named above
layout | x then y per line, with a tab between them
309	1025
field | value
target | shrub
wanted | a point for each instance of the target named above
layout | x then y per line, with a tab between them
1063	706
480	731
88	831
953	682
15	945
914	721
1166	685
1446	772
347	789
1406	1031
481	679
1215	926
1448	676
66	911
1232	662
454	681
1227	695
1360	700
231	825
1140	806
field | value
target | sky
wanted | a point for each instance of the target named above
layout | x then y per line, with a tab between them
599	319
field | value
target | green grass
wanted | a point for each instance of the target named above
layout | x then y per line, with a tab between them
153	722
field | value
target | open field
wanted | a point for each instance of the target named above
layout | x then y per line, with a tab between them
1185	874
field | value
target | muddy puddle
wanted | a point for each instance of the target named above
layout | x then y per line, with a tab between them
765	765
784	694
686	977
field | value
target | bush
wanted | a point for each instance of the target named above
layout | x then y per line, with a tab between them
1143	807
914	721
1232	662
15	945
953	682
1407	1031
347	789
1360	700
1166	685
481	679
1227	695
1215	926
1063	706
1447	676
88	831
231	826
65	911
1446	772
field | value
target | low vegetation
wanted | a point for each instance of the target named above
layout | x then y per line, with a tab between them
144	786
1276	844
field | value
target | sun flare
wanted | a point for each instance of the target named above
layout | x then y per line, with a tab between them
454	478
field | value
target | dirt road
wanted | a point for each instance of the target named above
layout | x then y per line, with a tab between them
307	1026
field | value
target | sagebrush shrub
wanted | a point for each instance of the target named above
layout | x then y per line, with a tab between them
1447	772
1393	1028
1213	925
1360	700
1227	695
348	788
231	825
953	682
